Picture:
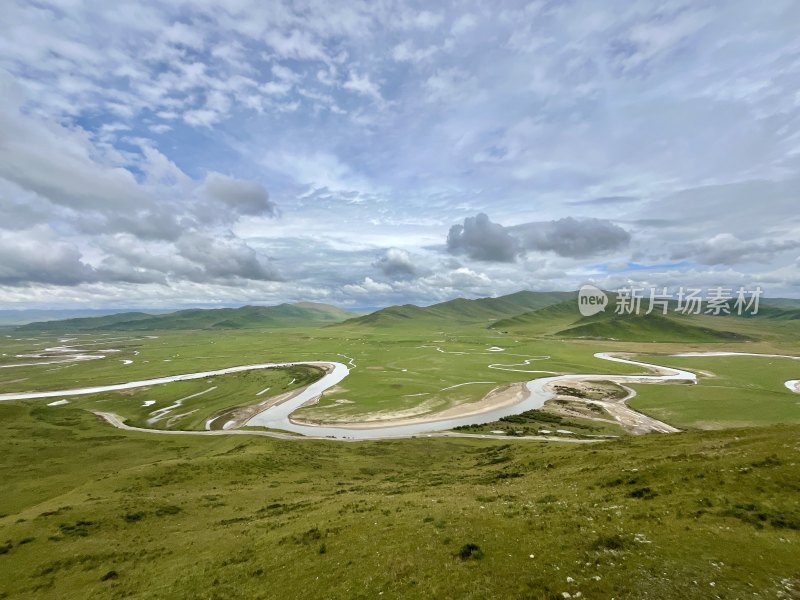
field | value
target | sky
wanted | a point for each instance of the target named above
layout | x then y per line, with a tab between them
197	153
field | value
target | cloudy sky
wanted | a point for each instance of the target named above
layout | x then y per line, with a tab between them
379	152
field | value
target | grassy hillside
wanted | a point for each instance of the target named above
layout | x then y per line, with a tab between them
549	319
493	308
179	517
647	328
392	315
782	303
282	315
563	320
18	317
461	310
84	323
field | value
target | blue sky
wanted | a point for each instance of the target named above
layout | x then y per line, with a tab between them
369	153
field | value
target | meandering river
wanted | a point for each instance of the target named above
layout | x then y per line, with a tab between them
279	416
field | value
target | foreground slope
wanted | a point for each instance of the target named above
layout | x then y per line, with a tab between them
184	517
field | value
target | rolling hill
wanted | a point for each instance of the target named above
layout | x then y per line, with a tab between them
461	310
282	315
648	328
548	319
791	304
19	317
563	320
85	323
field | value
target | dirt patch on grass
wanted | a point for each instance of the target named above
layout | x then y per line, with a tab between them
133	391
504	395
610	396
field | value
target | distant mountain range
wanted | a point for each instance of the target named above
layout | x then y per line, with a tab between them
563	320
525	312
556	314
283	315
462	310
16	317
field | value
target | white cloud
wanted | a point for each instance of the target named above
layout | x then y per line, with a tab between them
367	287
449	85
202	117
397	263
316	169
727	249
37	256
56	162
296	44
242	197
426	20
463	24
376	126
363	85
407	52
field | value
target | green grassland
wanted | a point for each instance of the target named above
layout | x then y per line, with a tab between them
731	392
91	512
649	328
401	370
377	383
88	511
201	399
392	367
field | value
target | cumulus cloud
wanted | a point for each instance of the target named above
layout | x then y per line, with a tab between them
481	239
36	257
61	178
56	162
243	197
372	125
461	278
199	257
573	238
367	287
225	258
396	263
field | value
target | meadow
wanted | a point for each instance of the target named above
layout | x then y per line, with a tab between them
393	368
89	511
736	391
415	368
92	512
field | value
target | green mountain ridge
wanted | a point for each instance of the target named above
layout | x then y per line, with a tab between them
282	315
536	313
84	323
461	310
563	320
648	328
554	315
